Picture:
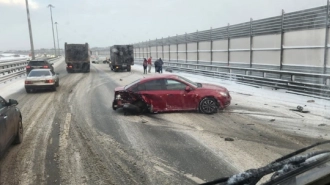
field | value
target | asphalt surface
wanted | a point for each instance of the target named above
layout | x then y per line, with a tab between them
72	136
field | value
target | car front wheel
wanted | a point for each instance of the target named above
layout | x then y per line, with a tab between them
19	134
208	106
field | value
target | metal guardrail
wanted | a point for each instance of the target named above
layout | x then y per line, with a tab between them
14	68
247	77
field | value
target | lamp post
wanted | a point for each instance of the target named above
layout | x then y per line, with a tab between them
30	30
58	43
51	16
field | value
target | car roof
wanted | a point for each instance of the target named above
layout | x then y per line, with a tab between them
159	76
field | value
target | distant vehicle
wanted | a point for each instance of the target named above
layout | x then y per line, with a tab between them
121	57
77	57
41	79
106	61
38	64
164	93
11	127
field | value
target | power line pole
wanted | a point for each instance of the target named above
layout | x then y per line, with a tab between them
30	30
51	16
58	43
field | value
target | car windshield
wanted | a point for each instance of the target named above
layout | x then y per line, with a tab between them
194	84
39	73
161	91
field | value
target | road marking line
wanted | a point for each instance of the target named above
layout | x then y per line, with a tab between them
64	136
194	178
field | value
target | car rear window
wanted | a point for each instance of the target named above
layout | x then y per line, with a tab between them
151	85
37	63
39	73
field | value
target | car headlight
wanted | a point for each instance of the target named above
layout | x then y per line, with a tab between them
118	97
224	94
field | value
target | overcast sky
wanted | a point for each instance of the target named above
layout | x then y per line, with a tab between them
107	22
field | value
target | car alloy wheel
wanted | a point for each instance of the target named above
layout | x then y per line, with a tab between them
208	106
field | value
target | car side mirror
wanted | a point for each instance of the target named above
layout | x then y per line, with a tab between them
52	64
13	102
187	88
57	74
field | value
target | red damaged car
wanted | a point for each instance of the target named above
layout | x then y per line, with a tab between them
168	92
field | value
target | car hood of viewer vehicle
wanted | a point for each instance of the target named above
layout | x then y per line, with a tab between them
213	87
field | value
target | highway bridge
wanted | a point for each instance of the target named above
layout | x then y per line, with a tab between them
73	136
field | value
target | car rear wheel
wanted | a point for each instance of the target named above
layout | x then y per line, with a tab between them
208	106
54	88
19	134
58	83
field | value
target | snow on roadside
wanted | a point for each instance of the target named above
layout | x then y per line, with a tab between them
10	87
14	58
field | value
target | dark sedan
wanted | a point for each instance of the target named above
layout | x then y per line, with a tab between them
11	127
39	64
166	93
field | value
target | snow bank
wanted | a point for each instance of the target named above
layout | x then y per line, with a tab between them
11	87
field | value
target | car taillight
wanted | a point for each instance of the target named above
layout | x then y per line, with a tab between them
49	81
45	66
28	82
69	66
28	67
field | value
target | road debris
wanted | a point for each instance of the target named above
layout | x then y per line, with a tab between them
244	94
229	139
311	101
272	120
300	109
320	125
144	121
